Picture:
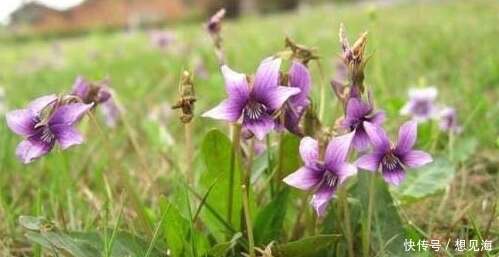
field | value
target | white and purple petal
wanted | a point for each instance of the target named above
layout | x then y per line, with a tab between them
275	97
299	77
415	158
260	127
337	151
33	148
370	161
407	137
394	176
229	110
236	84
69	114
266	77
304	178
22	122
66	136
378	137
37	105
320	200
309	151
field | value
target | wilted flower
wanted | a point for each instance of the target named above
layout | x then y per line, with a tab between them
299	77
322	176
393	160
255	102
162	38
421	103
43	123
89	93
358	113
214	24
448	120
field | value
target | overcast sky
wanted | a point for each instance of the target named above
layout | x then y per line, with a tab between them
8	6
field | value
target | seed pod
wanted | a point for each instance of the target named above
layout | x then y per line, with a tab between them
303	53
187	98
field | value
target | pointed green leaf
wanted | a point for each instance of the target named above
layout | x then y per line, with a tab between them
307	247
269	221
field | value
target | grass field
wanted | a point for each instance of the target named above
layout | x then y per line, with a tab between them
451	45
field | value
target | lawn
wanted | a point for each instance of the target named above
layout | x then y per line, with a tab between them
138	178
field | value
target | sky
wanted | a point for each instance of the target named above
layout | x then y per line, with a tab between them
8	6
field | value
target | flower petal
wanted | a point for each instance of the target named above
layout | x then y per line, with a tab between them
260	127
267	76
415	159
378	118
337	151
229	109
66	136
37	105
69	114
407	137
275	97
356	109
321	199
81	87
378	137
309	151
394	177
345	170
22	122
360	140
369	161
33	148
236	84
304	178
299	77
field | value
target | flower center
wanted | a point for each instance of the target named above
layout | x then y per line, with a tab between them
46	135
391	162
331	179
421	107
254	110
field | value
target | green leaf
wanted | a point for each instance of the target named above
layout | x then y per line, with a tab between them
90	244
269	221
427	180
307	247
464	148
216	151
387	231
291	161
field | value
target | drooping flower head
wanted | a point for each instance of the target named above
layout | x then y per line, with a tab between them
45	122
421	106
393	160
214	24
298	77
448	120
359	112
322	176
254	102
89	93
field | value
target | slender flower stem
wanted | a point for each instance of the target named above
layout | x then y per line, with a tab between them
367	233
280	159
249	226
346	219
236	135
322	103
269	164
189	152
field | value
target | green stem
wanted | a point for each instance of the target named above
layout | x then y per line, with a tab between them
189	152
367	235
346	218
322	103
236	135
249	227
280	159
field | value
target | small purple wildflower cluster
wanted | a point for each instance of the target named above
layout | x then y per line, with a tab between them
273	100
50	120
422	107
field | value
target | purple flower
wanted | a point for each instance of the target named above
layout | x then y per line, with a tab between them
421	103
256	104
43	123
323	177
299	77
358	113
162	39
448	120
393	160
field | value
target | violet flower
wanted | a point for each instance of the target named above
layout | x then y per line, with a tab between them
448	120
299	77
43	123
421	104
325	176
162	38
257	102
393	160
89	93
358	113
214	24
